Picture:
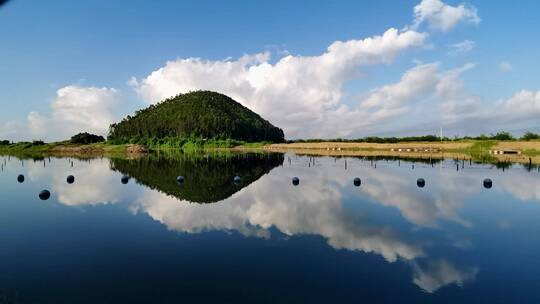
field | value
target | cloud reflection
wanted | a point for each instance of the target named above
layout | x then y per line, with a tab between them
423	208
313	209
94	182
438	273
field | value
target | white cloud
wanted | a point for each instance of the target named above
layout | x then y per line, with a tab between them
76	109
415	84
11	130
424	93
461	47
524	102
432	98
505	66
519	111
439	273
302	94
441	16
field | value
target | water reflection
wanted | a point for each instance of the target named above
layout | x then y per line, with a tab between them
315	208
434	274
206	178
422	208
438	232
95	183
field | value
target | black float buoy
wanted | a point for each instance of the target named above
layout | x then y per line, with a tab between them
44	195
237	179
70	179
124	179
180	179
20	178
488	183
420	182
357	181
295	181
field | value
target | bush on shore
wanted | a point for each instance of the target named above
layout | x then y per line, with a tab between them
86	138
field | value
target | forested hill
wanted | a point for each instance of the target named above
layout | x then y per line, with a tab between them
201	114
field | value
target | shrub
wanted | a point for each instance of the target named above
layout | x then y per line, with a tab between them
86	138
502	136
530	136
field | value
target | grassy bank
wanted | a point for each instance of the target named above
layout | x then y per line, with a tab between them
183	145
56	148
464	149
191	143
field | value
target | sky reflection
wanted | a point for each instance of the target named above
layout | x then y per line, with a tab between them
428	229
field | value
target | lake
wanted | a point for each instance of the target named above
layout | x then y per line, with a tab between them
127	231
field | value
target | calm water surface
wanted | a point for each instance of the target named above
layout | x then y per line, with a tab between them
325	240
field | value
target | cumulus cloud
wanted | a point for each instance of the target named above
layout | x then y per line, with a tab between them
415	84
519	111
523	104
461	47
439	273
432	97
11	130
76	109
423	92
302	94
441	16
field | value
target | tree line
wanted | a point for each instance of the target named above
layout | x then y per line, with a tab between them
425	138
87	138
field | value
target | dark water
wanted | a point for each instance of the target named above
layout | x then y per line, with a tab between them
263	239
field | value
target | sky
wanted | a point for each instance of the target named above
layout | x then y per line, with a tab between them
317	69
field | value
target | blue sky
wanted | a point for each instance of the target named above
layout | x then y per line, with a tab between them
64	63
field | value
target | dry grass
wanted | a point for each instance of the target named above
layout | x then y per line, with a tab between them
367	153
456	150
517	145
373	146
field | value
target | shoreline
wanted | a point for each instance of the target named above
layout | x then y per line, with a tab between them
73	150
529	151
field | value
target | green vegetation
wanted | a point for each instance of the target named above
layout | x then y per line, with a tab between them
35	146
531	152
208	178
482	145
193	143
39	149
530	136
375	139
196	118
34	150
426	138
86	138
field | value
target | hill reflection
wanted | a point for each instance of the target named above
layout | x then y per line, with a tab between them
208	179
